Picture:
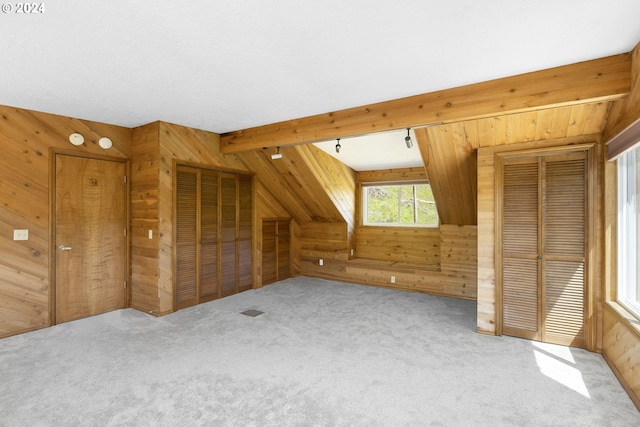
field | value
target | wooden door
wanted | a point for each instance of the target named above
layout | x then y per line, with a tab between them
275	250
90	237
228	236
213	235
283	236
563	239
196	236
543	247
186	238
269	252
245	232
520	248
208	239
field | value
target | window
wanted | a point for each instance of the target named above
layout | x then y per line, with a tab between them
399	204
629	229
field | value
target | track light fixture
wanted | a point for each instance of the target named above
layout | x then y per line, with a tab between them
277	155
407	139
338	146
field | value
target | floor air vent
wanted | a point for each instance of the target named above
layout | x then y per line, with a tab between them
252	313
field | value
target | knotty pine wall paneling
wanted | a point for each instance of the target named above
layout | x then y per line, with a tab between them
145	217
450	158
455	276
156	148
621	348
412	255
417	245
621	333
27	139
188	146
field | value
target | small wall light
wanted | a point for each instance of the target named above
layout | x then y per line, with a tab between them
277	155
76	139
105	143
338	146
407	139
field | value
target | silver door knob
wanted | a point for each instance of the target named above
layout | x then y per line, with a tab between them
63	248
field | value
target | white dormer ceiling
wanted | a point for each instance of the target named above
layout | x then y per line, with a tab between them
226	65
382	150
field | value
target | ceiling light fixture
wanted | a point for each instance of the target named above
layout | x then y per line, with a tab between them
105	143
277	155
407	139
76	139
338	146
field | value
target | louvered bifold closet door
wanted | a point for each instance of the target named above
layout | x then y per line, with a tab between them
284	270
520	213
245	231
269	263
186	252
228	235
208	235
564	218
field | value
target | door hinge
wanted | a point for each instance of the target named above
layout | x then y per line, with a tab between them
125	284
125	179
125	232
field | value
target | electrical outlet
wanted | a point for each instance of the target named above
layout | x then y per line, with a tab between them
320	261
351	252
393	279
20	234
150	234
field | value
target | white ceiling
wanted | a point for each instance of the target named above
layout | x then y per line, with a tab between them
226	65
382	150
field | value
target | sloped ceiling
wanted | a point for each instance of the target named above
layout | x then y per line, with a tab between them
310	184
449	151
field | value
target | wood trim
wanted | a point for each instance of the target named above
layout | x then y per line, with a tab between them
625	140
256	237
597	80
592	201
610	202
52	236
392	175
499	196
216	168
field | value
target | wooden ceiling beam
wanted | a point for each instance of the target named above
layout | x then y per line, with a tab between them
603	79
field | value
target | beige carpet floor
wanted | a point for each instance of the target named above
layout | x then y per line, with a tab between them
322	353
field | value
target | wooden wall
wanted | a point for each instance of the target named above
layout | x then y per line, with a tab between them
455	276
145	182
400	244
449	151
156	148
417	245
27	139
412	255
621	341
621	348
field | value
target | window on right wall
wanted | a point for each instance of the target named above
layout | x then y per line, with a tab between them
629	229
399	204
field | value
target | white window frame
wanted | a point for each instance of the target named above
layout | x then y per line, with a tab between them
365	207
628	165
